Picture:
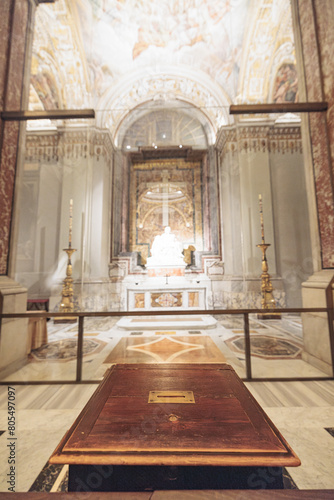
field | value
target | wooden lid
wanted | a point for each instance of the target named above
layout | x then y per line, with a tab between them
223	426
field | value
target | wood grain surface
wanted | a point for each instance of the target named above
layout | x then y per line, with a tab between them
225	426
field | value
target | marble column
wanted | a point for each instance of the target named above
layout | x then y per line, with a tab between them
314	21
16	30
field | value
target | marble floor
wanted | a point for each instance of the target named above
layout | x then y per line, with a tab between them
302	411
276	346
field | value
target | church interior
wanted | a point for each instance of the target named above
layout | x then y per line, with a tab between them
167	196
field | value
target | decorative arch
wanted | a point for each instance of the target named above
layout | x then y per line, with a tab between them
162	127
167	90
268	44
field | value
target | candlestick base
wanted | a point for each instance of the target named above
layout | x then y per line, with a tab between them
268	301
66	305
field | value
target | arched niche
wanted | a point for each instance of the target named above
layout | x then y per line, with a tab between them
164	175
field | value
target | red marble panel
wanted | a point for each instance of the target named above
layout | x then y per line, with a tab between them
324	188
318	40
14	28
7	178
17	55
310	53
324	21
4	44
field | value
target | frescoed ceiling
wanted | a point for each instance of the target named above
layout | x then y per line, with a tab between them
121	55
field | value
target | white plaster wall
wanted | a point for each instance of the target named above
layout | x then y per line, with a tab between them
255	180
279	177
230	214
292	233
35	268
85	179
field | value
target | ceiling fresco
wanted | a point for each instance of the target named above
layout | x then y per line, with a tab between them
119	55
122	36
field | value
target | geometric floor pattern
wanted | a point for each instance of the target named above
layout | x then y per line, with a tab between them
65	350
163	349
267	347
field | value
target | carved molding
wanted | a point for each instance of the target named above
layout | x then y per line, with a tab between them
271	139
41	146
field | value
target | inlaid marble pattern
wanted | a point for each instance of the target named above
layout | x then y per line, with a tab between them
65	350
166	299
47	478
166	350
265	347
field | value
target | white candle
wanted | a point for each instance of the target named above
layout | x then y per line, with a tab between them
70	230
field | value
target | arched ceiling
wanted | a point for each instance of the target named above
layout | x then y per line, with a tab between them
119	56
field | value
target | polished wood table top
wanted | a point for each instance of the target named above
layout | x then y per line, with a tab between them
140	415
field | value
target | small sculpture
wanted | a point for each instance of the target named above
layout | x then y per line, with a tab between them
166	250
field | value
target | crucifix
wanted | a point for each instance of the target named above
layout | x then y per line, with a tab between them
166	188
166	276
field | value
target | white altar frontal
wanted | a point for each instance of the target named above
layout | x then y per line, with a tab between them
166	286
166	293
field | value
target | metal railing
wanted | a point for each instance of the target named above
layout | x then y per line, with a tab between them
214	312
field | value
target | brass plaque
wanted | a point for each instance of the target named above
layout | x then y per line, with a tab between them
171	397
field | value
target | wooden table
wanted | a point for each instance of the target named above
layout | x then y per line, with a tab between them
123	440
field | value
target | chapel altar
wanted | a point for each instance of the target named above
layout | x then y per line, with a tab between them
166	286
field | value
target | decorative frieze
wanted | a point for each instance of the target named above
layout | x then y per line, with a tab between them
265	139
68	144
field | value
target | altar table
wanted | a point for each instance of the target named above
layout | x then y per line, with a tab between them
172	426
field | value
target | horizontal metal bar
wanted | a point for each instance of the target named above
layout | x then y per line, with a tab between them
54	114
88	382
293	107
78	314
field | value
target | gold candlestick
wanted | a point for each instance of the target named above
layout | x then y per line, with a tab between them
268	301
66	305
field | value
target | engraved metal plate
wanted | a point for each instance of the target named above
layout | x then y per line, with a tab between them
171	397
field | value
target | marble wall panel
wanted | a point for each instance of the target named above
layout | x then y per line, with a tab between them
4	45
315	19
15	19
7	178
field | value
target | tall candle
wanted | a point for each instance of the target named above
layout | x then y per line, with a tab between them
70	230
261	218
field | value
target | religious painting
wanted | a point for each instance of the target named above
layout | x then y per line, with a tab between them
286	84
165	193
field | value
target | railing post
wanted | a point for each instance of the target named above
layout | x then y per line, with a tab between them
247	347
80	346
